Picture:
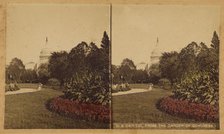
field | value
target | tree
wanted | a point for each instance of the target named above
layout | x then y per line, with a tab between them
215	42
104	59
105	43
126	70
154	73
187	59
129	63
89	72
204	58
58	65
43	73
29	76
95	58
168	66
15	69
199	82
140	76
76	58
115	74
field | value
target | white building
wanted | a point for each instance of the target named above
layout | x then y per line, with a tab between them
155	54
30	65
154	58
141	66
45	54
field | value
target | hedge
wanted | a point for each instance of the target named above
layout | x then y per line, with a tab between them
184	108
81	110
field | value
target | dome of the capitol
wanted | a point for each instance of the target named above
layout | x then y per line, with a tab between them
155	54
45	54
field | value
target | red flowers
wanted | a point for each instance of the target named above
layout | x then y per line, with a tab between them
81	110
183	108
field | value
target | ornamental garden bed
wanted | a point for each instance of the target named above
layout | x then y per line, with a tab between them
184	108
79	110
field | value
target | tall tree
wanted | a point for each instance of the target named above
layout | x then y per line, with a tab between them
105	43
215	41
129	63
187	59
15	69
58	65
168	65
29	76
104	59
77	58
126	70
154	73
43	73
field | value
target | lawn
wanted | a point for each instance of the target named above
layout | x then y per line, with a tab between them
141	108
142	86
28	110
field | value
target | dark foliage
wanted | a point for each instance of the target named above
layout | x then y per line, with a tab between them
85	72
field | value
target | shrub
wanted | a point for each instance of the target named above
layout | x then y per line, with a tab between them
184	108
120	87
164	83
88	87
53	82
82	110
12	87
198	87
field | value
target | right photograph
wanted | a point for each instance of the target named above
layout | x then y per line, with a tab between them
165	66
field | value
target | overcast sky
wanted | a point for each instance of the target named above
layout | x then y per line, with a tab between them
136	27
65	25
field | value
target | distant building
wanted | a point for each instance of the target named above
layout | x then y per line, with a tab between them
30	65
45	54
155	54
141	66
154	58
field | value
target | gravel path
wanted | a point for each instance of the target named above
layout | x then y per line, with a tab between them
22	90
135	90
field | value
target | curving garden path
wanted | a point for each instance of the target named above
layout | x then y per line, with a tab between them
134	90
22	90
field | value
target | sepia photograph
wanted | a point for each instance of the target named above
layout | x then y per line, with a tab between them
165	66
57	66
112	66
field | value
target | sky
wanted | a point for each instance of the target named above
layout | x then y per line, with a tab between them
65	25
135	29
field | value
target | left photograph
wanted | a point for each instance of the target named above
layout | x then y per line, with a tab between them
57	66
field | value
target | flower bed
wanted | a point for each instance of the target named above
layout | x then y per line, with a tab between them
80	110
184	108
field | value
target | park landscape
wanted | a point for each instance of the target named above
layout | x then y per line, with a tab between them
165	67
74	88
98	85
185	88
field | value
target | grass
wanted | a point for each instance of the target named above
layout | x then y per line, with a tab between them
28	85
141	108
28	110
142	86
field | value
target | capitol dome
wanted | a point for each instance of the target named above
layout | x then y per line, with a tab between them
155	54
45	54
